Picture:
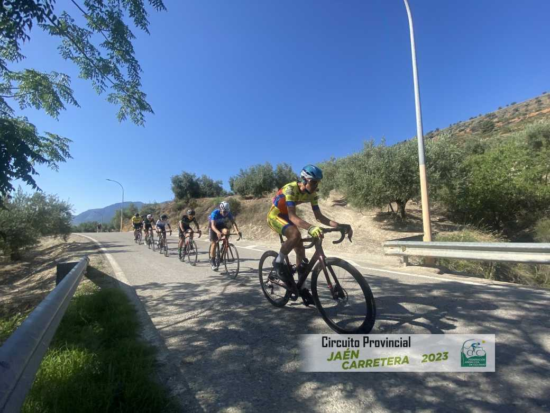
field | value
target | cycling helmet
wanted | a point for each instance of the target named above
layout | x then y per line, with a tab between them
190	212
164	217
149	216
311	172
224	206
137	214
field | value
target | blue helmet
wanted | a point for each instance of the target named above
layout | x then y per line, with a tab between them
311	172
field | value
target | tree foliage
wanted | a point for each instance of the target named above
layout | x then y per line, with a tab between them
101	48
186	186
26	218
259	179
209	188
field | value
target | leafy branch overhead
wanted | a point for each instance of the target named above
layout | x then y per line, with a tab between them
97	40
111	64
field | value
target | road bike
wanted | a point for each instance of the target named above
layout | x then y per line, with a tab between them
227	254
338	290
150	239
189	249
162	243
138	236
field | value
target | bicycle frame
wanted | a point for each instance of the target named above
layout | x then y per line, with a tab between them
318	256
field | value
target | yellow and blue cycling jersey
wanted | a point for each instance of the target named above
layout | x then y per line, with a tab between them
288	195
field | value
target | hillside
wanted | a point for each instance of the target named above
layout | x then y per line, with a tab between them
103	215
504	120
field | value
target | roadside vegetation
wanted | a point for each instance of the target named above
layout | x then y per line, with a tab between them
95	362
24	219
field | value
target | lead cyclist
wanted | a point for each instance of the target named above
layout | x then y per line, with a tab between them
282	218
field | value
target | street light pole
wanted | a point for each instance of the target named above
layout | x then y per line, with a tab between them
121	205
421	161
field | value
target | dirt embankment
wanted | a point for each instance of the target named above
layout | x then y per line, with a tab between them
24	284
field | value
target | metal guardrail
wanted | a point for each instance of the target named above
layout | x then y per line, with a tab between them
532	253
22	353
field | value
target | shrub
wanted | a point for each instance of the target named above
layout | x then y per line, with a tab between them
26	218
542	230
235	206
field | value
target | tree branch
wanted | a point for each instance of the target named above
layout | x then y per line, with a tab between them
86	14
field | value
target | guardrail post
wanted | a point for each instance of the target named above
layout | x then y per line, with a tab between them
62	270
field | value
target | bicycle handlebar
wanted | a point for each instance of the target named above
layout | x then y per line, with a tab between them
312	240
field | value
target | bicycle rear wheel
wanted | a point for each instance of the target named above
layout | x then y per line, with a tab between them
139	241
192	254
272	287
347	306
231	261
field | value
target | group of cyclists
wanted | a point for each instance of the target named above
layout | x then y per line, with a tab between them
282	218
219	224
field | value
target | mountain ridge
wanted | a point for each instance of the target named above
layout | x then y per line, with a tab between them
102	215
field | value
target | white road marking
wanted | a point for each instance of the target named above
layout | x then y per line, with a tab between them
119	274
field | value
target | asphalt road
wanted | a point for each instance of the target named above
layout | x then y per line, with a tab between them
237	352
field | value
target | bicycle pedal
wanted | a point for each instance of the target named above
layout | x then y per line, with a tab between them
307	298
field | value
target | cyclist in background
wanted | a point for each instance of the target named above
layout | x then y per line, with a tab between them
137	221
161	225
219	223
185	228
149	222
282	218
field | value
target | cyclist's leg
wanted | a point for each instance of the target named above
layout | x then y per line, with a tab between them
213	240
282	226
181	239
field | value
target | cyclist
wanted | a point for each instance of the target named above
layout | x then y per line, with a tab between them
282	218
161	225
149	223
185	227
137	221
219	219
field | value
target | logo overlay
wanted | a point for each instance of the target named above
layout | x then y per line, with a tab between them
398	353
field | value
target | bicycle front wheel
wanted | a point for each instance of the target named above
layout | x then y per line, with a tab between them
231	261
192	253
272	287
343	297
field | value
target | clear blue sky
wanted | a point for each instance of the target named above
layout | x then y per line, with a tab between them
236	83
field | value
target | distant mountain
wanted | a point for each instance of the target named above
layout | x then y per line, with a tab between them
102	215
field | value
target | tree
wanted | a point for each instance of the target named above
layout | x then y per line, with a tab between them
103	51
284	174
503	185
26	218
209	188
185	186
254	181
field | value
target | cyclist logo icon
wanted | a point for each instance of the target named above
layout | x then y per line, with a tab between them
473	354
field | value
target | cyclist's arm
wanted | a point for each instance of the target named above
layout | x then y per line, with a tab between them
323	219
197	225
235	226
295	219
181	226
213	226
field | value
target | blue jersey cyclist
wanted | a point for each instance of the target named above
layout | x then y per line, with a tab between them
282	217
219	223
